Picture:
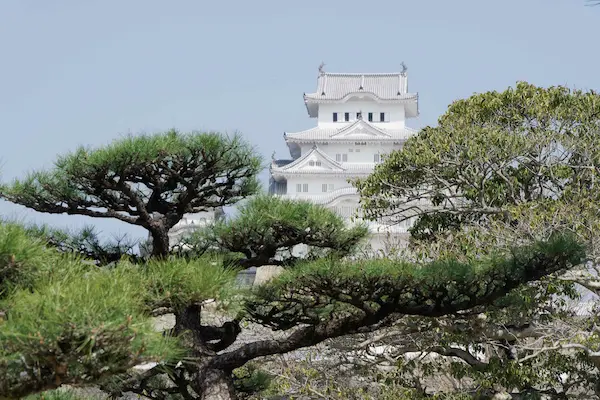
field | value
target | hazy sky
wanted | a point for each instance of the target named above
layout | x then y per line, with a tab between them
78	72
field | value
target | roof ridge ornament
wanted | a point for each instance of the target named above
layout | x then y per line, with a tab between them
401	86
322	74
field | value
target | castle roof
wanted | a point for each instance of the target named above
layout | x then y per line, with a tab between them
382	87
358	130
385	86
317	162
320	161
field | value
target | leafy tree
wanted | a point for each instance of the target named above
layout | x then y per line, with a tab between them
146	180
268	228
502	168
84	325
86	242
68	322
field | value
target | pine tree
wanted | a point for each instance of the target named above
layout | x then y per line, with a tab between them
69	322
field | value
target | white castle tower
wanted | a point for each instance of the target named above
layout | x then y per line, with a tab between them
361	117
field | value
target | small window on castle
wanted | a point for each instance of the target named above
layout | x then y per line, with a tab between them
376	158
346	117
311	163
358	150
370	116
305	187
324	187
381	117
335	118
350	150
298	188
359	115
318	163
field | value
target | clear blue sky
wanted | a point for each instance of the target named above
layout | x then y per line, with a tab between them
76	72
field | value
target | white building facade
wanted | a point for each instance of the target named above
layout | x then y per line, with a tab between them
360	119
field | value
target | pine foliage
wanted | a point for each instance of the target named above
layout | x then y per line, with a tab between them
267	227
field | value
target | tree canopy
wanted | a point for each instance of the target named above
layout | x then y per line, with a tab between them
145	180
68	321
267	230
103	327
502	168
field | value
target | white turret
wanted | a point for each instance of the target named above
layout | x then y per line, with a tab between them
360	119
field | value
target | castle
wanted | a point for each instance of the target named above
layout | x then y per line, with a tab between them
361	117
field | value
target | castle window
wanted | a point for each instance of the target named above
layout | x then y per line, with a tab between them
376	158
346	117
335	117
359	115
327	187
311	163
370	116
381	117
341	157
301	187
318	163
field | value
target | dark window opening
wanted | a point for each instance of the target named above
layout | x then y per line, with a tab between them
370	117
334	117
346	117
381	117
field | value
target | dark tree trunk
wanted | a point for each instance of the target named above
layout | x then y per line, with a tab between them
217	384
160	242
212	384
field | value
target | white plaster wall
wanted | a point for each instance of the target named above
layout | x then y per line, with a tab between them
363	155
315	185
396	113
385	244
346	207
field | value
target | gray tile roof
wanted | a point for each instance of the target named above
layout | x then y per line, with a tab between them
315	150
363	130
281	163
385	86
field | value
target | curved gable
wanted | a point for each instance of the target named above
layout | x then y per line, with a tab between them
361	129
315	160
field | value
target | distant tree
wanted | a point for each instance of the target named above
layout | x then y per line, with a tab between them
86	242
146	180
267	229
502	168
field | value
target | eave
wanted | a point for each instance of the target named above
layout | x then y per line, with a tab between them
312	102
